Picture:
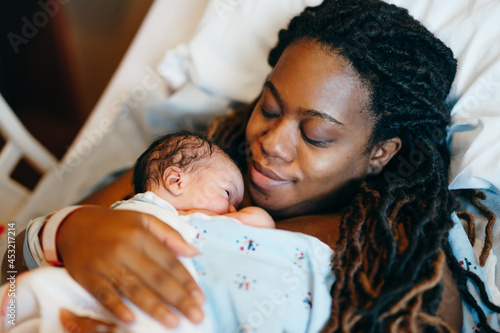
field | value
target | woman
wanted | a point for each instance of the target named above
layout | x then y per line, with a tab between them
346	143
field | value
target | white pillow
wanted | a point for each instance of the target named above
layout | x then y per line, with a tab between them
228	57
228	54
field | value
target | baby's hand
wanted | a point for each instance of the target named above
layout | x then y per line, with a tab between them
192	211
254	216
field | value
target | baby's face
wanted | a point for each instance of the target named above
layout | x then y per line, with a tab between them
218	187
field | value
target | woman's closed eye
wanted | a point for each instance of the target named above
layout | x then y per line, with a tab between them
317	132
316	143
269	114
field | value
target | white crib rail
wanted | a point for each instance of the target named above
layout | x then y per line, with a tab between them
19	143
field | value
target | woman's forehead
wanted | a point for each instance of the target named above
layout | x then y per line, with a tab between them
308	77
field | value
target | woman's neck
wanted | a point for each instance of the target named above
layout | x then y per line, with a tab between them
325	227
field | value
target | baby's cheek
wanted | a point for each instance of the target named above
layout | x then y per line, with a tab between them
200	201
218	205
206	197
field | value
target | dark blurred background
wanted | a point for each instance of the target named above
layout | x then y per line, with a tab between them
56	57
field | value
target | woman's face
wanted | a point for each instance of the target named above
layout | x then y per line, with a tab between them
308	134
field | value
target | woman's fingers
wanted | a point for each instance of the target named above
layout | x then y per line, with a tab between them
151	278
172	270
112	254
137	291
180	292
77	324
107	294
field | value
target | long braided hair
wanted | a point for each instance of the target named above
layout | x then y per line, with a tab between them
393	244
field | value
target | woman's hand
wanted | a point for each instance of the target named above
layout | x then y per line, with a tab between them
77	324
118	252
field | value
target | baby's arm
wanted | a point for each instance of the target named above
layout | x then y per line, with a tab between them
254	216
192	211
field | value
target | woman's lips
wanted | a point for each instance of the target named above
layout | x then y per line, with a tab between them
265	178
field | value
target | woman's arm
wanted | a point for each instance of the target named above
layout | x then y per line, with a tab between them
450	308
116	190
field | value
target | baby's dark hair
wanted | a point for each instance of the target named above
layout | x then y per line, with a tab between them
184	150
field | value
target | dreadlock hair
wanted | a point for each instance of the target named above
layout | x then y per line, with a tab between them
183	149
389	258
473	196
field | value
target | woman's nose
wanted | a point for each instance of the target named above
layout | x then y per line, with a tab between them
279	141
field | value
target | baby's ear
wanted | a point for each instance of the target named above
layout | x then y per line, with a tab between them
173	180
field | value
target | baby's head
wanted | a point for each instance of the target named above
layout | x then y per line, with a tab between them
189	172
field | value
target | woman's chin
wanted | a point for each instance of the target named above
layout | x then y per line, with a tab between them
265	199
274	202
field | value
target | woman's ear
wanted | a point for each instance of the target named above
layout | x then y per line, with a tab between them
173	180
382	154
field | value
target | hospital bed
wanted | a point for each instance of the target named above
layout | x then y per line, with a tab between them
194	59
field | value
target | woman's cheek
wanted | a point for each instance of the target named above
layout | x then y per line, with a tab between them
325	167
257	125
249	133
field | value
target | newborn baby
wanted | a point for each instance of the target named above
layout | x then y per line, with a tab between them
194	175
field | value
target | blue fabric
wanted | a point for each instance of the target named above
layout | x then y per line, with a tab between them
262	280
464	253
28	258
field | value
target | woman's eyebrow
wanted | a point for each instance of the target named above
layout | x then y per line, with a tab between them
275	93
325	116
312	113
